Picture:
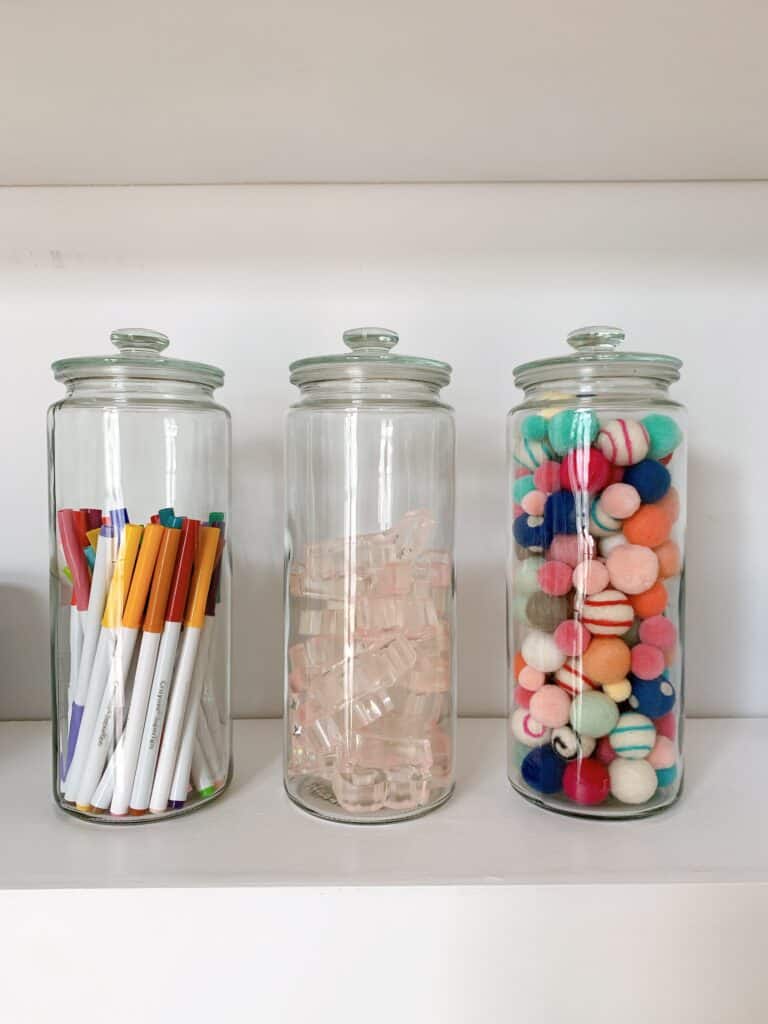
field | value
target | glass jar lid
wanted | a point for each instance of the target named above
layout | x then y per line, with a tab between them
138	358
596	356
370	357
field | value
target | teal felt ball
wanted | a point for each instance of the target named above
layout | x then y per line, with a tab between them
523	485
594	714
664	435
666	776
534	428
572	428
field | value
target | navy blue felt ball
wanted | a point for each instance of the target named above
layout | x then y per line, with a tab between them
543	770
560	513
651	697
528	536
650	479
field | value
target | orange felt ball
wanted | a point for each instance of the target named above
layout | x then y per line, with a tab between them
670	560
650	602
607	660
649	527
671	504
520	664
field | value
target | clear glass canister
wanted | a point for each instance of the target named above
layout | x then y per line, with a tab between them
139	493
597	474
369	594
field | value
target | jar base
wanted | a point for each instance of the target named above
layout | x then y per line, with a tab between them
313	795
118	821
611	810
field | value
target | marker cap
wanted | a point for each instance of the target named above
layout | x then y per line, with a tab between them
183	571
161	581
142	576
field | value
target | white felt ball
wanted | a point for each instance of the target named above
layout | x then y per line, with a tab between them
633	736
568	744
572	678
623	442
527	730
632	782
540	651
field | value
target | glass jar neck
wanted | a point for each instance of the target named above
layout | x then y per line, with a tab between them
136	389
629	387
373	391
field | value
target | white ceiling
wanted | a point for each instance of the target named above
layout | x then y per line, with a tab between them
348	90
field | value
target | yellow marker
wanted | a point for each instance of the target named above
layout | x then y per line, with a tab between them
93	538
121	578
142	576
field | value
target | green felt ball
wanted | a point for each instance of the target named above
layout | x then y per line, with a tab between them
594	714
519	605
523	485
527	576
664	435
572	428
534	428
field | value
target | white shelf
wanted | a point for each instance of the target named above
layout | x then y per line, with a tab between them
489	907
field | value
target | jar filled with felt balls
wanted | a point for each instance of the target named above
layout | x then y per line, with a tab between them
597	466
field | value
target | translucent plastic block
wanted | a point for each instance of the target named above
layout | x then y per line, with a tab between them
414	532
407	788
391	743
317	621
365	710
441	750
393	580
419	617
360	790
426	707
296	580
430	674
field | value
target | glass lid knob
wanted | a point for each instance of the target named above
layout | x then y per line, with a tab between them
370	339
139	341
596	337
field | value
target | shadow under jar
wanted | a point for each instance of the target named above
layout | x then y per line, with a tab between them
139	478
369	584
597	475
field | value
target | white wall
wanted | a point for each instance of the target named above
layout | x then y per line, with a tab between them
484	276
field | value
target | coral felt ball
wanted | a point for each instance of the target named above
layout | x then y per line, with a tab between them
620	501
623	442
540	651
533	503
522	486
593	714
650	526
670	560
606	660
590	577
586	781
651	602
666	725
632	568
660	632
568	548
551	706
572	428
534	428
650	479
522	697
547	476
530	678
664	435
632	782
671	504
647	661
543	770
555	578
585	469
663	754
545	612
608	613
572	637
519	664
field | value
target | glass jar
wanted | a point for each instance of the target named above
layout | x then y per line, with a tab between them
369	584
597	472
139	495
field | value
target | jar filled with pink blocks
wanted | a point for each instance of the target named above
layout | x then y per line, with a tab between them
369	584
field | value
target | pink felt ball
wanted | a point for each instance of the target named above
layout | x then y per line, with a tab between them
647	661
551	706
590	577
620	501
632	569
584	469
572	637
605	752
659	632
533	503
521	471
555	578
531	679
666	725
586	781
547	477
570	548
663	754
522	697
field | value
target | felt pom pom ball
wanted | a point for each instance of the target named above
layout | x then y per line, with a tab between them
620	501
605	752
551	706
572	428
543	770
650	479
522	486
623	442
618	692
572	678
590	577
522	697
572	637
547	477
633	736
609	544
586	781
534	428
530	678
670	560
593	714
666	725
632	782
530	532
569	745
527	730
608	613
671	504
555	578
664	435
533	503
647	662
584	469
560	513
652	697
663	754
659	631
649	527
541	652
569	548
632	568
601	524
606	660
666	776
546	612
531	454
527	575
651	602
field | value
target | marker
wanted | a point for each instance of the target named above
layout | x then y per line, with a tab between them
180	781
92	518
202	776
185	670
211	727
166	516
100	582
73	552
117	781
109	718
105	651
161	681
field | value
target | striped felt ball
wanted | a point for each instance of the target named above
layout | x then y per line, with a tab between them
634	736
531	454
572	678
623	442
608	613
